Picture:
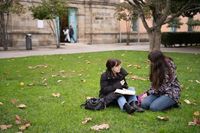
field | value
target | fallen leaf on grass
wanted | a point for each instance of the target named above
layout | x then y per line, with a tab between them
100	127
58	81
4	127
86	120
25	126
137	66
197	81
1	103
53	76
21	106
44	80
190	80
13	101
196	113
30	84
187	101
17	119
21	84
88	98
134	77
129	65
195	122
37	66
62	102
42	72
62	71
87	61
163	118
56	94
83	80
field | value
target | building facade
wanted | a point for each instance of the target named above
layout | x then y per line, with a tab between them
93	22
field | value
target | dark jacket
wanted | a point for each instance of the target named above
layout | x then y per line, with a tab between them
71	32
109	83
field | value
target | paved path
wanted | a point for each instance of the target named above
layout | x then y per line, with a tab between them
83	48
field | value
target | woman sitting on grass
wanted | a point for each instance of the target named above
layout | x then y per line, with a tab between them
114	78
165	89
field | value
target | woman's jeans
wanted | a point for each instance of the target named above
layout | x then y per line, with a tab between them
157	103
126	99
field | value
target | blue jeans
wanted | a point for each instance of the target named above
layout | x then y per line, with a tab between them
157	103
72	38
126	99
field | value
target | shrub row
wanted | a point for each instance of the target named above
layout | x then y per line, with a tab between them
169	39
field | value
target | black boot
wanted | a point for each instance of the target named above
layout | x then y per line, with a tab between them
129	109
136	107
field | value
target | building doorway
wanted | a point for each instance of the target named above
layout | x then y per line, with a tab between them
66	21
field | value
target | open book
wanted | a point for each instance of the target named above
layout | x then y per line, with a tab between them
125	91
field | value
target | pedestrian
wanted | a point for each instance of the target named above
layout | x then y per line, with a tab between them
114	78
165	89
71	34
66	33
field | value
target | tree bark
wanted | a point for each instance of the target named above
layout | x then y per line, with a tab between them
155	39
52	25
128	33
3	32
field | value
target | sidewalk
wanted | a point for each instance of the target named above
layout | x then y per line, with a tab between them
84	48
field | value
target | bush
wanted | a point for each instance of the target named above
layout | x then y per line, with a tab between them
169	39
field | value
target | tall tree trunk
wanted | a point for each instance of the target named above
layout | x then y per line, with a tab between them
189	26
52	25
128	33
3	32
6	31
155	39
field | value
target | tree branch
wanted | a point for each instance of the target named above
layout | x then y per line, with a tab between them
165	13
141	15
179	12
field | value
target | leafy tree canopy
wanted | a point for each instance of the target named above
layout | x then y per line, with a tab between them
11	6
49	9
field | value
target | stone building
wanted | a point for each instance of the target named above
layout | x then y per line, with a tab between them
93	22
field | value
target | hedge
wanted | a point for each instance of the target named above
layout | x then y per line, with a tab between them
170	39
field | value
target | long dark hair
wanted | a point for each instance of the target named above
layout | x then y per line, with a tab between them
158	68
110	64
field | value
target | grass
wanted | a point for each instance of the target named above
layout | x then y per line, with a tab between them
80	75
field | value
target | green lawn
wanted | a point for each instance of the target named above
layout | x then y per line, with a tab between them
76	76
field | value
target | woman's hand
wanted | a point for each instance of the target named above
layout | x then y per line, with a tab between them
122	82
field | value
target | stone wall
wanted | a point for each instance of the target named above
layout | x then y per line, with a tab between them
95	24
20	25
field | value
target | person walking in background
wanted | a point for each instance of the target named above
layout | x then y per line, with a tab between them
114	78
71	34
66	33
165	88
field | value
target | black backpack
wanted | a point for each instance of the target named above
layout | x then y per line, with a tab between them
94	104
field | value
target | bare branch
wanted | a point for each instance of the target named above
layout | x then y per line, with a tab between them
142	16
165	12
179	12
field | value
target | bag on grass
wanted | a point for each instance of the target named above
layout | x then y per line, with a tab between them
94	104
